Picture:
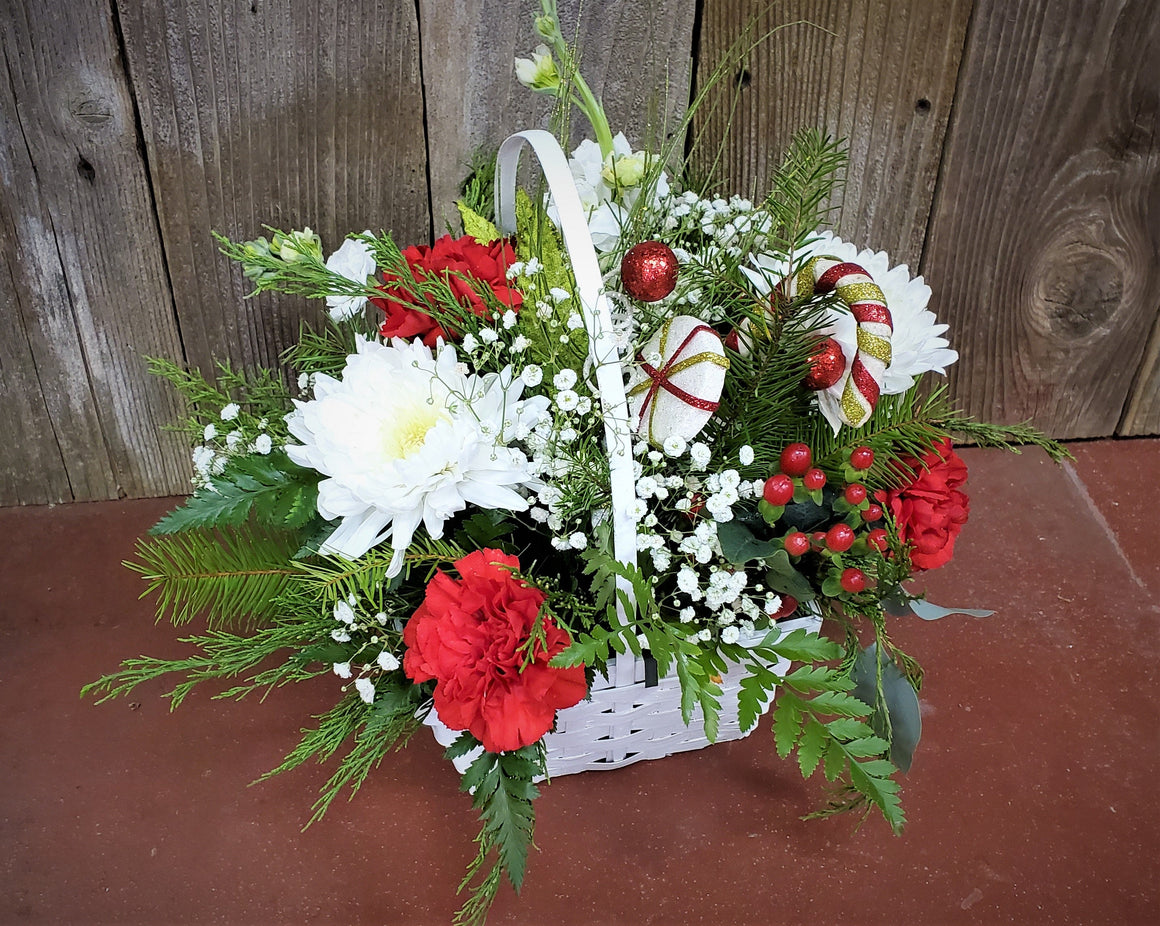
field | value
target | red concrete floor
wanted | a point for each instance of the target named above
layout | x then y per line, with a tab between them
1031	800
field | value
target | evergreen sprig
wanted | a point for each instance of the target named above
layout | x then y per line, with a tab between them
229	574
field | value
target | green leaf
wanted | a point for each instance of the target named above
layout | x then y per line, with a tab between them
782	577
739	545
929	611
838	702
474	224
801	645
895	716
787	722
818	678
812	744
278	492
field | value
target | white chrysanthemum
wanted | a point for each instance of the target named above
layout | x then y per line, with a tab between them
354	261
917	345
405	437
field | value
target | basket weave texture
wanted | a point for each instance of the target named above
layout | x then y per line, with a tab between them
626	723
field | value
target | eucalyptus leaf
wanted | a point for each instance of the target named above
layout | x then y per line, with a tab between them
739	545
901	723
786	580
929	611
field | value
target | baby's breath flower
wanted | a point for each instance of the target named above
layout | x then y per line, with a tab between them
230	412
388	662
366	689
745	455
532	375
342	669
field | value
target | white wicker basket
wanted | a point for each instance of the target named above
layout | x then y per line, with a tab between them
624	720
625	723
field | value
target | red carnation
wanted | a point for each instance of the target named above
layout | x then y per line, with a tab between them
470	636
472	271
929	511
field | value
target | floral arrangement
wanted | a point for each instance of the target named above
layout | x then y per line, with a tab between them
428	516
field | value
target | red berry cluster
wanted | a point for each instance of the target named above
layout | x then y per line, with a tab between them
853	511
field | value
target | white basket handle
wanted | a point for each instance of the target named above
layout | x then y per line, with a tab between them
597	322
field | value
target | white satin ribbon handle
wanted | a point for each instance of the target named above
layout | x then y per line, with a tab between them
597	322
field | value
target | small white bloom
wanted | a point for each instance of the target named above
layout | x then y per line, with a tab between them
674	445
263	444
303	382
344	612
568	435
700	453
230	412
577	541
339	635
354	262
532	267
638	509
210	432
538	72
470	343
565	379
730	635
233	440
566	400
687	615
575	322
388	662
509	319
488	335
745	455
366	689
705	635
520	344
655	456
532	375
559	295
342	669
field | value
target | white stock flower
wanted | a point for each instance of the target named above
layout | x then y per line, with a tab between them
405	438
538	72
597	191
354	262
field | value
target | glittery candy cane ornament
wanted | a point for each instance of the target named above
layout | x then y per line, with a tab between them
861	294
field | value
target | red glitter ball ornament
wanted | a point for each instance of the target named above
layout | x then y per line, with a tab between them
649	271
827	364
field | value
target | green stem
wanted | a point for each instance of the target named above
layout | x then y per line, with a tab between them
549	27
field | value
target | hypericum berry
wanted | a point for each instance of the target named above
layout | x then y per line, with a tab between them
840	538
797	543
818	539
778	489
862	458
796	459
789	604
877	540
814	479
855	493
853	580
873	512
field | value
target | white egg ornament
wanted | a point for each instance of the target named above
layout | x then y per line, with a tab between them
678	395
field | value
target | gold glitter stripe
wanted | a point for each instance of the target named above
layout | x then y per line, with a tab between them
855	408
678	367
850	293
876	347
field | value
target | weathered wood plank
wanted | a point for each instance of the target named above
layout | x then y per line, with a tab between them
84	288
254	113
1046	231
635	56
879	73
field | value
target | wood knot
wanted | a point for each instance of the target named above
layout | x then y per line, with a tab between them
90	110
1079	290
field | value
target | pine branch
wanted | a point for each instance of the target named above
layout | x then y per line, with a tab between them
228	574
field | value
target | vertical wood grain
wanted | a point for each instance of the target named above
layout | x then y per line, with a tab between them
289	114
1044	246
635	56
880	74
83	287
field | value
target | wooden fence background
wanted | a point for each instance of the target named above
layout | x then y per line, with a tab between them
1006	148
